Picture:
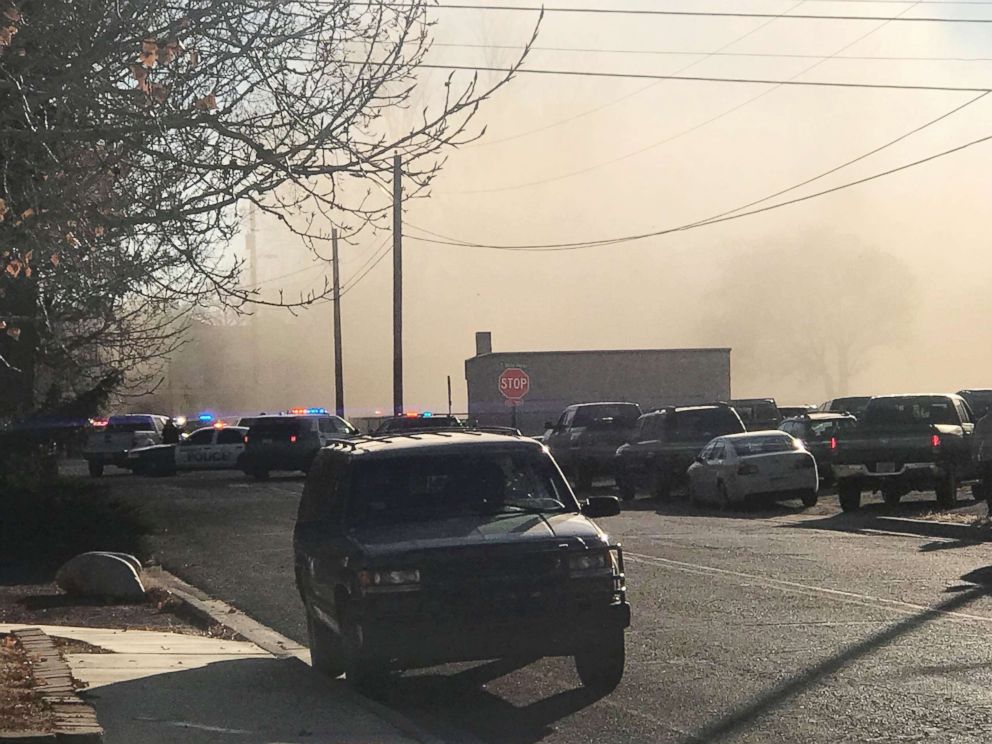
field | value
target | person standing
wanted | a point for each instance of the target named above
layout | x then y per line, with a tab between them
170	433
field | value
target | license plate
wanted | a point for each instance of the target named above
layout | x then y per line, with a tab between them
885	467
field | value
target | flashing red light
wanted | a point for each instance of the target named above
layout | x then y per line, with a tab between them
98	422
292	438
219	425
833	444
246	439
935	441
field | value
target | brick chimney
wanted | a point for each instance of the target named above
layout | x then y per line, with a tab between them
483	343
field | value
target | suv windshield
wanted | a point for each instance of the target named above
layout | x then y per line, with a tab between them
415	489
415	423
624	414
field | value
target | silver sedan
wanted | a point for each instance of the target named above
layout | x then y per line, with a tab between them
741	469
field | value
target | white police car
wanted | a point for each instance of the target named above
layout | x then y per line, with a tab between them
210	448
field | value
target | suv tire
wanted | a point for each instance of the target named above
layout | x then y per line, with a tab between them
600	664
947	490
96	468
625	489
583	477
809	498
891	496
849	493
662	486
325	648
364	671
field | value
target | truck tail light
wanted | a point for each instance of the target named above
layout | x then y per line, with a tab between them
747	469
935	441
833	444
292	439
246	439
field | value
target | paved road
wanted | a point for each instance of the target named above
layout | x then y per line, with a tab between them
775	626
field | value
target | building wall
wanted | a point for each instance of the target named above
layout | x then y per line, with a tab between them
651	378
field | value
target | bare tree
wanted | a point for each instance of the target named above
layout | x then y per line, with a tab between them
816	309
132	130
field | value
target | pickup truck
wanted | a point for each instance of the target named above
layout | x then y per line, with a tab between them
109	445
584	441
906	443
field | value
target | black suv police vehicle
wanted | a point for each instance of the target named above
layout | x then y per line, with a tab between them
444	546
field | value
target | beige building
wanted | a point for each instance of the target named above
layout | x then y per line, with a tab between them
650	377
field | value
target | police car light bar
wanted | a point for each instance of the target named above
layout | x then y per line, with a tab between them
306	411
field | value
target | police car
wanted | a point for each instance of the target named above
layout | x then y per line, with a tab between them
209	448
290	440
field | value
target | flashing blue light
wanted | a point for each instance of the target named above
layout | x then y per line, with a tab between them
316	410
205	417
426	414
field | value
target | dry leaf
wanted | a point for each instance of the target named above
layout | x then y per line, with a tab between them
99	230
158	92
138	71
55	259
207	103
7	35
72	240
3	324
27	213
3	210
194	58
14	267
149	53
28	256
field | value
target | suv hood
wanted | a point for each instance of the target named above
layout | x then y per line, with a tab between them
476	530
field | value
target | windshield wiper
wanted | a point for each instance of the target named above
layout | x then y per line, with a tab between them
515	507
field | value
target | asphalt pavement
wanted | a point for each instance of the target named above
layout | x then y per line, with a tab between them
780	625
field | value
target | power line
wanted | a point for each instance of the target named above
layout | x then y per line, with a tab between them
674	53
685	13
707	79
637	92
700	125
552	247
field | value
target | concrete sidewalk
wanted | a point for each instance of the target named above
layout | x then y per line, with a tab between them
157	687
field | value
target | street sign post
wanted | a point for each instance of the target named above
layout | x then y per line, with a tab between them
514	384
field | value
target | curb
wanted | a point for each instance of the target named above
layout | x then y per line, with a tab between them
933	528
75	720
214	611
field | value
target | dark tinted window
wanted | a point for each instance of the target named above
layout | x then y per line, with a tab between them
230	436
277	427
980	401
757	411
413	423
623	413
830	427
321	498
202	436
130	425
855	404
911	411
412	489
335	425
705	423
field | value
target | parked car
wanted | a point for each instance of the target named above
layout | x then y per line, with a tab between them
665	443
415	552
279	442
109	444
979	400
585	438
744	469
758	414
817	430
906	443
417	422
852	404
209	448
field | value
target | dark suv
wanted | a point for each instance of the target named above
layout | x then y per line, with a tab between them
818	431
665	443
288	442
586	436
419	550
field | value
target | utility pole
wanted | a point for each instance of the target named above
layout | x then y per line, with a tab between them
253	385
397	287
338	365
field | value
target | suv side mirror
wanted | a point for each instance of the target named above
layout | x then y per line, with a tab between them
601	506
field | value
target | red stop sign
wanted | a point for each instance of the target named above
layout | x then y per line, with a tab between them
514	384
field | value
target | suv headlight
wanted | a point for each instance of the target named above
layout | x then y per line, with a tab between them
597	562
407	578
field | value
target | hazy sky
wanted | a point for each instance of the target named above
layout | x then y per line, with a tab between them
612	172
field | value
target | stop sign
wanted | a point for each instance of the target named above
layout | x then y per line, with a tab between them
514	384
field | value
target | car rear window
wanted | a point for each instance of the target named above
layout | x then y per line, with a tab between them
624	414
706	423
757	411
910	411
416	489
763	445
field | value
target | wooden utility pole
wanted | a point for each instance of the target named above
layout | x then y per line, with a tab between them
338	364
397	287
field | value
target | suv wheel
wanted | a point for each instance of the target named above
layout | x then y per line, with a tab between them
364	671
980	490
662	486
723	495
96	468
626	489
890	496
809	498
600	664
849	493
947	490
325	648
